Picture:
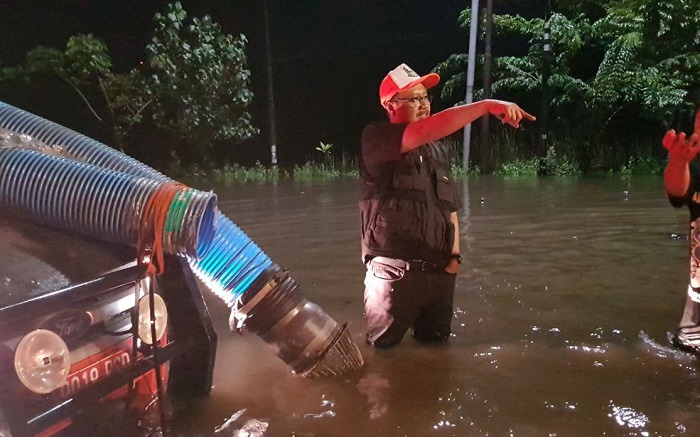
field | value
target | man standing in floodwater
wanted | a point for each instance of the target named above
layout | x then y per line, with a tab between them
410	232
682	182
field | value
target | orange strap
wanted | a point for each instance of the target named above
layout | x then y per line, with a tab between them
149	247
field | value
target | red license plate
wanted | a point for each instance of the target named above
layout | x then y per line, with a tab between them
94	372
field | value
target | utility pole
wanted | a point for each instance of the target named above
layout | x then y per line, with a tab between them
471	62
270	93
485	137
546	60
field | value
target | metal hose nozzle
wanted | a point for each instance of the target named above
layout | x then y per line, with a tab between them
300	332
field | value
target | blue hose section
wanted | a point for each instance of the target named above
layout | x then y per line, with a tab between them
232	262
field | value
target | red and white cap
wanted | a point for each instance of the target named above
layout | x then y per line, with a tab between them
401	78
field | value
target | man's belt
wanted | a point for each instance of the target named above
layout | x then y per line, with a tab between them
415	265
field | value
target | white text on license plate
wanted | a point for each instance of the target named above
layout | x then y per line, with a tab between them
81	379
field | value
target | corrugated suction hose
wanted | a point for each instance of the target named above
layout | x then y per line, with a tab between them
64	179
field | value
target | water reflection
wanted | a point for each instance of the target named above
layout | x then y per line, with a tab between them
562	313
376	389
249	428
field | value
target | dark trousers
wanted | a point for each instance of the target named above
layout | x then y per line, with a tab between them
398	298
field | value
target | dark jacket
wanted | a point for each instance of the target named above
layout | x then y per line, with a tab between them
405	211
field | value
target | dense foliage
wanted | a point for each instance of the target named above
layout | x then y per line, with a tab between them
190	96
618	74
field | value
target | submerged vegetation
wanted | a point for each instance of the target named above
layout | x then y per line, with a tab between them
326	168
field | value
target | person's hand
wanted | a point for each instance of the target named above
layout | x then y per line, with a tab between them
452	266
679	149
509	112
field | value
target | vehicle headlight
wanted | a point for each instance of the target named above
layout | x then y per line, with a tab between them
42	361
161	318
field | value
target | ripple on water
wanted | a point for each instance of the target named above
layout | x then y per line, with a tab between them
628	417
662	351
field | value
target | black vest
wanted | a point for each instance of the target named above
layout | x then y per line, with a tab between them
405	214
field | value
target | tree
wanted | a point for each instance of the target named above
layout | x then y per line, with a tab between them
191	93
517	75
83	66
637	64
652	60
196	80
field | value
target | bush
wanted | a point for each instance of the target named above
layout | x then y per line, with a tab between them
559	166
642	166
529	167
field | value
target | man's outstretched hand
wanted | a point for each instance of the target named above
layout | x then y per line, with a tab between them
509	112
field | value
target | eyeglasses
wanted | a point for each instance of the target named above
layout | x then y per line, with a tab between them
414	102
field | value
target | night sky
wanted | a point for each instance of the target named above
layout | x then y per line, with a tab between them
328	55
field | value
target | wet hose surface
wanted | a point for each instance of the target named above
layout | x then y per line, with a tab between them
85	173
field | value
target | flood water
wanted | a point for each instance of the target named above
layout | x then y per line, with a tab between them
563	308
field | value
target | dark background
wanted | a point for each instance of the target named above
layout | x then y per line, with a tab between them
329	56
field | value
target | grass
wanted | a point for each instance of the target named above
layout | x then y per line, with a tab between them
510	157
